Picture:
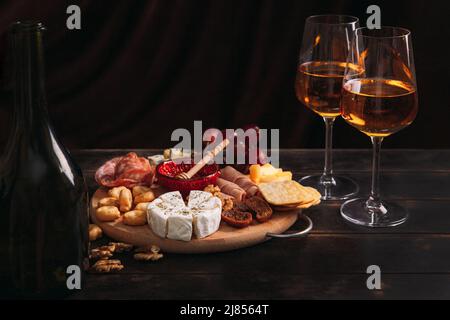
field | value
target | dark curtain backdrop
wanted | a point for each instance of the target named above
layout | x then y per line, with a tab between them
140	69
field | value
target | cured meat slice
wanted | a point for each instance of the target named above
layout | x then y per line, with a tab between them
127	171
231	189
231	174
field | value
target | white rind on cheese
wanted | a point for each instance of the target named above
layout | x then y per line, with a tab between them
168	216
180	226
197	197
207	218
173	199
157	216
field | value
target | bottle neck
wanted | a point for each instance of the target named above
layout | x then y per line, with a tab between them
30	104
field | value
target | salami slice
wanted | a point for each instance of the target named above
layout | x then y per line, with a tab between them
127	171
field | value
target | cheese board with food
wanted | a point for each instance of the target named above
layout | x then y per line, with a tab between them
189	208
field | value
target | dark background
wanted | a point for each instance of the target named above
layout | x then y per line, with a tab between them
137	70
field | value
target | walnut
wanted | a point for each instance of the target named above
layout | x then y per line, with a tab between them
120	247
146	256
227	204
214	190
146	253
106	266
152	248
101	253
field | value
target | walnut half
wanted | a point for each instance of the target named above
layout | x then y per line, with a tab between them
106	266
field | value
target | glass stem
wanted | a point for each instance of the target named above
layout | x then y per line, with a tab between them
327	176
374	199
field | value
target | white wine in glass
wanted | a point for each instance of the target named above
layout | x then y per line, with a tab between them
318	85
379	102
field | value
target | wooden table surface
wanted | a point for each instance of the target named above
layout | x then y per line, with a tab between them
331	262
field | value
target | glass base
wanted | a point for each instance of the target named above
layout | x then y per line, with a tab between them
339	188
388	214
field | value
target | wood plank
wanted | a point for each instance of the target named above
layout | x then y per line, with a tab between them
311	160
331	262
426	217
263	286
351	160
316	254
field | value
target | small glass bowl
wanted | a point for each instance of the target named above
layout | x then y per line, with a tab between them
166	173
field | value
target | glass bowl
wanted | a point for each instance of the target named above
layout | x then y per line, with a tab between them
166	173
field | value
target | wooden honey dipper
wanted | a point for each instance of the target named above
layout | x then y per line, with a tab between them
208	157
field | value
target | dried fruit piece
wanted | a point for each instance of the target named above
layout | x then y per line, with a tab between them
237	218
260	207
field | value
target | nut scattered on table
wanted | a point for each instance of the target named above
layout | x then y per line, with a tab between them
148	253
147	256
120	247
106	266
102	253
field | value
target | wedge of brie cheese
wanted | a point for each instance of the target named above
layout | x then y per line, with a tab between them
196	198
157	214
169	217
179	225
207	217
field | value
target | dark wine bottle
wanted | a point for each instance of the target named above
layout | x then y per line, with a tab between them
43	195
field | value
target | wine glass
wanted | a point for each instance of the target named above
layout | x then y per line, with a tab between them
318	85
379	102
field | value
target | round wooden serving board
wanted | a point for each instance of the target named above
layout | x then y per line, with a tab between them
225	239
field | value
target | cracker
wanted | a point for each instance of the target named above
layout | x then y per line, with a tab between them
282	193
316	194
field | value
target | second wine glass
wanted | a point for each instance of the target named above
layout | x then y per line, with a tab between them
322	63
